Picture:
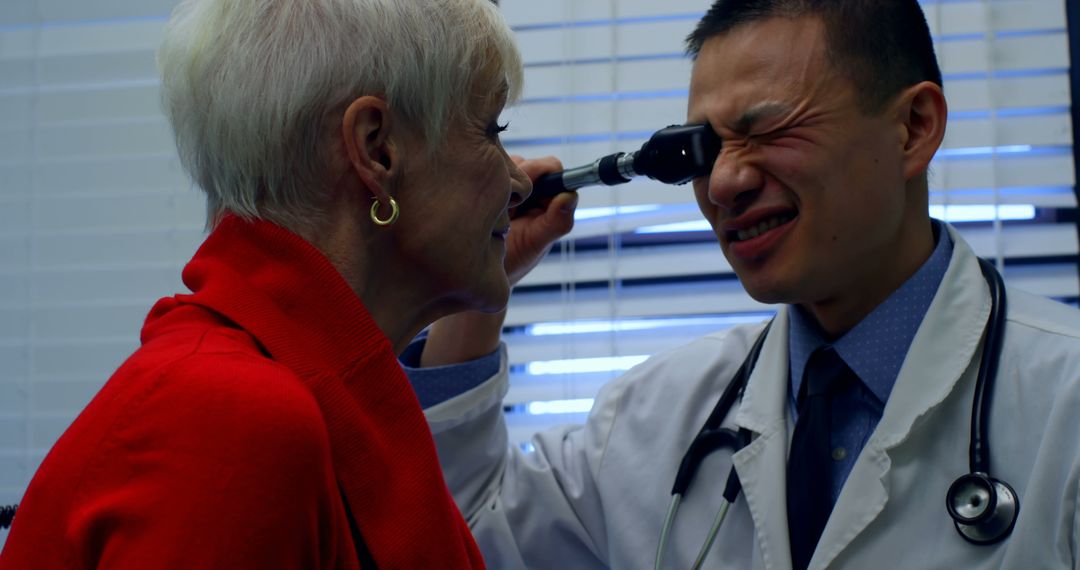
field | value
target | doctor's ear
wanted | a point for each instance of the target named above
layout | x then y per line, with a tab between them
922	113
366	127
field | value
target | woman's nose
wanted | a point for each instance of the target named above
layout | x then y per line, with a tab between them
520	185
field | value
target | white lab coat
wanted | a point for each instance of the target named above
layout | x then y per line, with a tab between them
595	496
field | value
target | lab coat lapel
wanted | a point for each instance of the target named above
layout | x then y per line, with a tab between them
761	464
943	349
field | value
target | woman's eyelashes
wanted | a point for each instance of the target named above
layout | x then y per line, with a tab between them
494	129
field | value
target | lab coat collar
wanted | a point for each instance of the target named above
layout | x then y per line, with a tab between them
762	463
762	409
943	349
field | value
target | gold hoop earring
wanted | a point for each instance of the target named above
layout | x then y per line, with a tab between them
394	212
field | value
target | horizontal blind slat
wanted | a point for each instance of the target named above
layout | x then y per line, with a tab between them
1025	240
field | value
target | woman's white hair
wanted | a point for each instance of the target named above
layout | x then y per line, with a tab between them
254	89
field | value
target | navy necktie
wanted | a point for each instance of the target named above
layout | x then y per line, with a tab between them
809	472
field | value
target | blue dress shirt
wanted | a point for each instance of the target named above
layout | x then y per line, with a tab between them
440	383
875	350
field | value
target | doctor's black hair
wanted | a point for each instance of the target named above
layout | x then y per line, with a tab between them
882	46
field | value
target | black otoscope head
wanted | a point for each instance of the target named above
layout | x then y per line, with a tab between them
673	155
678	154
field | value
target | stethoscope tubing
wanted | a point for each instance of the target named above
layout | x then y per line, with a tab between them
709	439
669	522
713	531
712	437
979	452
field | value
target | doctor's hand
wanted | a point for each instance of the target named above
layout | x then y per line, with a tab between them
533	232
467	336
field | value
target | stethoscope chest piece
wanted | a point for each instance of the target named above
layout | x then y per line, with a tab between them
983	509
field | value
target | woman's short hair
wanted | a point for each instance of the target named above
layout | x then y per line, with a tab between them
254	89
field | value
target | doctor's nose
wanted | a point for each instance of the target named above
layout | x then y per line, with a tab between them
734	181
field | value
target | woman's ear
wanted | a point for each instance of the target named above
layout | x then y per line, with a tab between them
365	129
923	114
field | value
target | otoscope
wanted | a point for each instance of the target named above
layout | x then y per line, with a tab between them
673	155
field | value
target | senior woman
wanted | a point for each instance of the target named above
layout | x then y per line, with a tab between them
357	191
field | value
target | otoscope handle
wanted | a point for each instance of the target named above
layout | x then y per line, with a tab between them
547	186
610	170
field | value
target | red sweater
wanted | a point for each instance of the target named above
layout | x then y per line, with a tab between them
222	441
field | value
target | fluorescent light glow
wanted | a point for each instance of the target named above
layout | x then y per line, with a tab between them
588	327
982	212
586	138
938	196
606	212
984	150
1042	72
950	213
581	406
584	365
620	96
679	227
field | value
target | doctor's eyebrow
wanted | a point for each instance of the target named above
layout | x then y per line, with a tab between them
759	112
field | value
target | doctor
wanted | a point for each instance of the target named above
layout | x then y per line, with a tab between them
830	114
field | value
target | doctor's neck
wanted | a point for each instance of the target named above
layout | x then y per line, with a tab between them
869	284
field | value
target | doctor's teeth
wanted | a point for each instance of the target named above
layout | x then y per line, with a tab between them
761	228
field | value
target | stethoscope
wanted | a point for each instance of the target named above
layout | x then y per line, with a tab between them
983	509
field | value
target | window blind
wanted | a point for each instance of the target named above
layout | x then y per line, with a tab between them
641	272
96	216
